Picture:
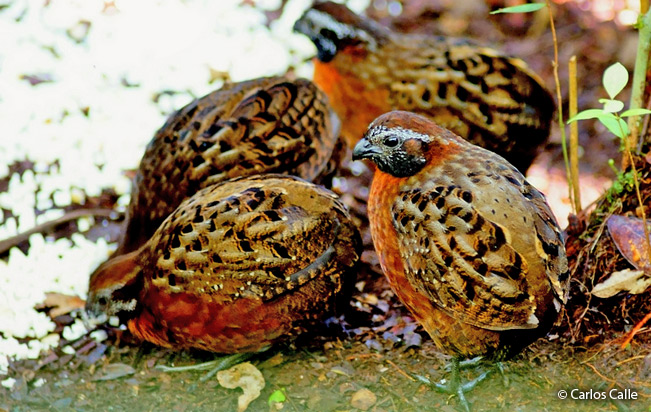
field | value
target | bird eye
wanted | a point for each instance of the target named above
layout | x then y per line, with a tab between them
391	141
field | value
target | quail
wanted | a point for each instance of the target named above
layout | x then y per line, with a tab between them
266	125
235	268
488	98
468	245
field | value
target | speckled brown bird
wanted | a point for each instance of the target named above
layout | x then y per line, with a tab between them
237	267
468	245
266	125
366	70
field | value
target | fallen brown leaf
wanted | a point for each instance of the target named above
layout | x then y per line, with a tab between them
60	304
628	235
631	281
245	376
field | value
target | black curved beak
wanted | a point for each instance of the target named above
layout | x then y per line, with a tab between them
365	150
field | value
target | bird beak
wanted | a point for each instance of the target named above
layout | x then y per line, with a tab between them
364	150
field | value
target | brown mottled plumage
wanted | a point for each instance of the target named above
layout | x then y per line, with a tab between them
468	245
266	125
237	267
366	70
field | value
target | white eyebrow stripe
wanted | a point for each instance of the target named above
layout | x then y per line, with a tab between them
382	131
323	20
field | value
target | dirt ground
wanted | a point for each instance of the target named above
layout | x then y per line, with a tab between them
375	345
324	374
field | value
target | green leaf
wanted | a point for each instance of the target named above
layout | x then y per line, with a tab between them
617	187
612	106
523	8
615	79
276	397
611	123
635	112
587	114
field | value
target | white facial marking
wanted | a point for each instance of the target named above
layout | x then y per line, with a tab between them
120	306
383	131
322	20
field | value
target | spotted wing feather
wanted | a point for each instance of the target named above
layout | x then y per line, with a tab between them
492	100
549	242
461	261
267	238
261	126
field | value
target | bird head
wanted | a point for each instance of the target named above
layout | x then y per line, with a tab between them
402	143
114	286
333	27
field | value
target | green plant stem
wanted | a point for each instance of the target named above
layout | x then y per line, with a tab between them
559	98
639	76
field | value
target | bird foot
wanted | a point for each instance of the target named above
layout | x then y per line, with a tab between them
460	389
221	363
453	386
454	389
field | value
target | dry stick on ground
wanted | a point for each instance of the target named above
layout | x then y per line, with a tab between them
47	226
574	137
635	329
403	373
630	359
601	375
363	355
559	97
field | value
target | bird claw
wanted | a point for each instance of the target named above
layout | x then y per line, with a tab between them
468	386
454	386
455	389
505	380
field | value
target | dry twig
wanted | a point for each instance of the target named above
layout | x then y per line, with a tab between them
635	329
48	226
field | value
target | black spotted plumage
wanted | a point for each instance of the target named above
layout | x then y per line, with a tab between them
243	277
469	246
247	128
492	100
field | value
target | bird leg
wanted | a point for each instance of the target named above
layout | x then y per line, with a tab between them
466	363
216	365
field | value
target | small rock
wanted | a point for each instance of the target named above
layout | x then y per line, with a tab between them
114	371
316	365
363	399
62	403
323	401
